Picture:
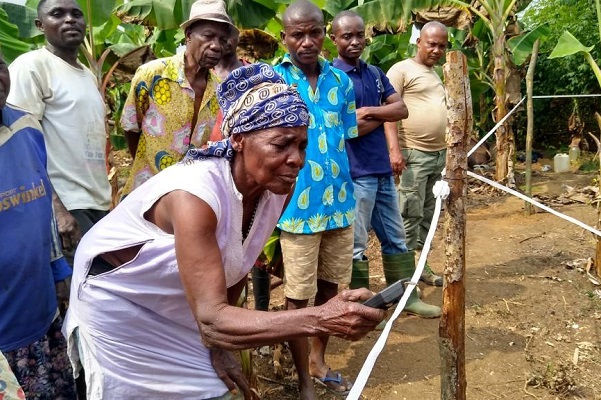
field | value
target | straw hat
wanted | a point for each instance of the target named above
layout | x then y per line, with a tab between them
208	10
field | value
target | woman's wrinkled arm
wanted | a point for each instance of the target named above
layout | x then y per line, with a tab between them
194	225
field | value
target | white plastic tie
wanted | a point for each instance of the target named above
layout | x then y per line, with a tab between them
441	189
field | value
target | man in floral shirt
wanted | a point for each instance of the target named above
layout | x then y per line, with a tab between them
172	103
317	232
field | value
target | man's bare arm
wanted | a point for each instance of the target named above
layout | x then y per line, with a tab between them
67	225
397	161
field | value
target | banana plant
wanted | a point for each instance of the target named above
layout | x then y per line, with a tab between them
497	16
569	45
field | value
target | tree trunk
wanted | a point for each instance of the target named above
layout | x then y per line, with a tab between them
505	141
530	127
452	322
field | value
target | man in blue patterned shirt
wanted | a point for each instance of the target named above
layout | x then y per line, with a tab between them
317	225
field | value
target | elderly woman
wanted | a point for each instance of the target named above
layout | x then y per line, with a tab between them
151	313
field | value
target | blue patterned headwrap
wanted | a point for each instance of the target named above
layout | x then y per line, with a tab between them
253	97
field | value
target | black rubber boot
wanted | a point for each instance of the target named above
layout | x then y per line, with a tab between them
400	266
360	274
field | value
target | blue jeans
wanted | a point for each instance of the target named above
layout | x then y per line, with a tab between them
378	206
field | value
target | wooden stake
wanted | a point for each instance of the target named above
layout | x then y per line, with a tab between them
530	126
452	322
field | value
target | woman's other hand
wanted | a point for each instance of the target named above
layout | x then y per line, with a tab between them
230	372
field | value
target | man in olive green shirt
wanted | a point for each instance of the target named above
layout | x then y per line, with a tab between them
421	135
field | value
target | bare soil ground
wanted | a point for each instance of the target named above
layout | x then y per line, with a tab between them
533	325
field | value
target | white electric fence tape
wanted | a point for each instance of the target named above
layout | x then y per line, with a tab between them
553	96
494	129
534	202
441	191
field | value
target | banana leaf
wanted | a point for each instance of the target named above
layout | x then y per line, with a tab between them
23	17
10	46
521	46
169	14
568	45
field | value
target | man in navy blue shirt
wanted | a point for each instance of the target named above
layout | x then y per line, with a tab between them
372	166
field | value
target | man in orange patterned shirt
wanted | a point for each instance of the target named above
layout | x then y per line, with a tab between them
172	104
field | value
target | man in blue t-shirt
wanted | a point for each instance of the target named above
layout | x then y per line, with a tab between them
370	163
33	268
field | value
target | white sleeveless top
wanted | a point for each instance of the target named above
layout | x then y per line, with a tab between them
142	332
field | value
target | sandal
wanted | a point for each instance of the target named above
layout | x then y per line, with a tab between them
333	381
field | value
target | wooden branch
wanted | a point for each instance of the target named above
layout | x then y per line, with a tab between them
530	126
598	142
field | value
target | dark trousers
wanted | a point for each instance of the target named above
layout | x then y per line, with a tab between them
261	288
86	219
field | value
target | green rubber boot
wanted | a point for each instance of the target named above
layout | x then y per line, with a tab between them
360	274
400	266
429	277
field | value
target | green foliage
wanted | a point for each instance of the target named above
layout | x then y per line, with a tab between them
163	14
254	14
568	45
333	7
521	46
385	50
589	165
566	75
169	14
115	98
10	44
23	17
384	15
100	11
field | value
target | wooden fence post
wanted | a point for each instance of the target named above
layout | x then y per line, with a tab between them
452	322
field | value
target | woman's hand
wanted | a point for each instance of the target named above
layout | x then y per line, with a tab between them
230	372
342	316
